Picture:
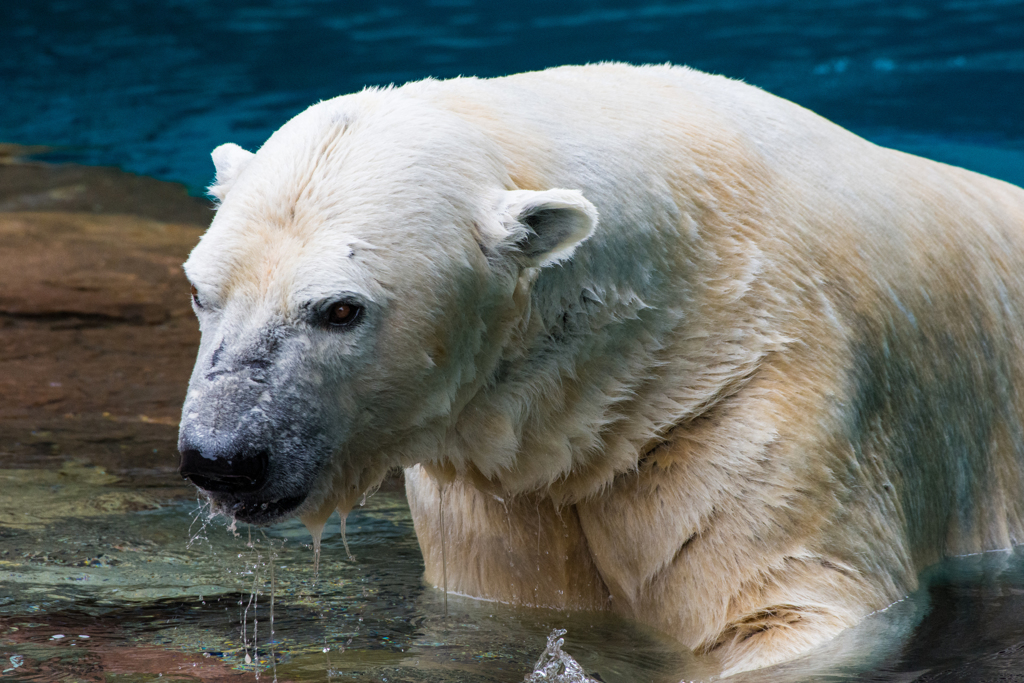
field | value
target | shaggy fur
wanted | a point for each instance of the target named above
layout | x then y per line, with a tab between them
668	345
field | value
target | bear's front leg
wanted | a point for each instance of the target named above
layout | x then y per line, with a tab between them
518	550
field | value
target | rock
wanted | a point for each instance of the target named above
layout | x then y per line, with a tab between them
97	336
84	270
34	186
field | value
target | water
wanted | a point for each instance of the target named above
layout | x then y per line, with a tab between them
101	582
154	87
104	581
167	590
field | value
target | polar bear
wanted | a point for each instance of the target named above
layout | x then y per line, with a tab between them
655	341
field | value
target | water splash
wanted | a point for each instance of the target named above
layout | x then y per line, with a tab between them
556	666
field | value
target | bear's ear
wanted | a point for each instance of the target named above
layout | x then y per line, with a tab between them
546	227
230	160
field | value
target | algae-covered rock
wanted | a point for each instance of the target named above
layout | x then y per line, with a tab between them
35	498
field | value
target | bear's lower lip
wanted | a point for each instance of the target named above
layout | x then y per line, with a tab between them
262	512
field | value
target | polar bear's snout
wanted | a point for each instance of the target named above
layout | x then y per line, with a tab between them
236	477
251	437
254	469
224	470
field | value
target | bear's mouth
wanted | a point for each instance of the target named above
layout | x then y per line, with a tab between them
260	513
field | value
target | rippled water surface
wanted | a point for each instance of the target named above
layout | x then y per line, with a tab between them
93	589
105	583
154	86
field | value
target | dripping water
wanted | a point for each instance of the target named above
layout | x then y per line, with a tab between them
253	603
344	538
205	513
315	525
273	594
316	530
444	557
314	522
368	493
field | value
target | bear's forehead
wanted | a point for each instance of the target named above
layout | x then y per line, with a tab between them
369	189
367	165
263	259
382	139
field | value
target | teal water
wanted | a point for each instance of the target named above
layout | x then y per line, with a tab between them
153	87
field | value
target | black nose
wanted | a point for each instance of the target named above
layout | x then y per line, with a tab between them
218	472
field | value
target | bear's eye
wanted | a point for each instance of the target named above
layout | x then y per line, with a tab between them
195	297
343	314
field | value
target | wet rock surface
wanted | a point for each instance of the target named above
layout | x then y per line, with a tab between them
97	337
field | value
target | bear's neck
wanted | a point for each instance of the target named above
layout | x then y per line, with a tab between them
611	360
649	323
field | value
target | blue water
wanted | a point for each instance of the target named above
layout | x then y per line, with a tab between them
152	87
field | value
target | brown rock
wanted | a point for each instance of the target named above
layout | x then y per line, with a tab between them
97	336
87	269
34	186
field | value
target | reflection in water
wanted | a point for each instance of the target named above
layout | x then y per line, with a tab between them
133	592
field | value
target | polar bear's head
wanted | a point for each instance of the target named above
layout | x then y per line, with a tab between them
362	275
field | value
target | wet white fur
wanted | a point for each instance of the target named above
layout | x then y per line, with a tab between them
722	274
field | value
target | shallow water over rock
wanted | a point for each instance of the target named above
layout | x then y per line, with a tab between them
167	590
102	581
